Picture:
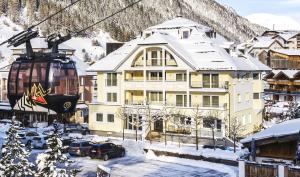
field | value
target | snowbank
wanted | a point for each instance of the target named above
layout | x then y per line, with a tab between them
191	150
232	171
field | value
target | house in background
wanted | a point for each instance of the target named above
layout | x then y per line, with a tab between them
276	144
284	85
176	64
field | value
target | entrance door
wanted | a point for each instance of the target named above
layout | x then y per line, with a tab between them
158	126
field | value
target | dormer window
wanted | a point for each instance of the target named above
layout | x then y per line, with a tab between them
185	34
147	34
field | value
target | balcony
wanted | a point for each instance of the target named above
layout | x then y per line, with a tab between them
283	82
175	85
210	87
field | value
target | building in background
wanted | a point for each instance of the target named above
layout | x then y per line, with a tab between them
284	85
177	65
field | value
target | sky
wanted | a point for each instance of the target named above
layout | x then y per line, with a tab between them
288	8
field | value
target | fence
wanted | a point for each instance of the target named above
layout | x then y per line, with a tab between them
252	169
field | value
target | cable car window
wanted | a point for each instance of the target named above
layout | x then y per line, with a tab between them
12	78
24	78
39	74
63	79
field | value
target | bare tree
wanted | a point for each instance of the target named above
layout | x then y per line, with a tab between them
197	118
165	115
210	119
150	117
182	124
137	122
123	114
236	128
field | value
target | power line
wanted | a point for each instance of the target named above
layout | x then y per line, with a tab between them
107	17
54	14
33	26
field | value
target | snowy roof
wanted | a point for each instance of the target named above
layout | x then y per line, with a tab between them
288	51
40	43
179	22
264	42
289	73
198	51
81	66
289	127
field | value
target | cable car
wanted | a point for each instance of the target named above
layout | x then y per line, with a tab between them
49	80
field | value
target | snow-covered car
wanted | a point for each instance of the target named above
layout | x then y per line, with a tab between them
77	128
27	137
39	142
9	121
80	148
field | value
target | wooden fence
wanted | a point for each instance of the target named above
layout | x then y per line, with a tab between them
292	172
260	170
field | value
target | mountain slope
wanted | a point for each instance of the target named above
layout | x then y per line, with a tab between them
124	26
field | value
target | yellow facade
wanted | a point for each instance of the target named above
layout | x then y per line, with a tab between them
176	84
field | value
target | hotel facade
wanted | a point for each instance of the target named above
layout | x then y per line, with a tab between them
177	65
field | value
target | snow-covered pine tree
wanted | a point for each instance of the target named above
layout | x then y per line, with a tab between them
14	162
54	163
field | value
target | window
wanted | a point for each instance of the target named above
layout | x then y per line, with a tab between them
239	98
209	122
255	76
206	101
210	80
181	77
111	97
110	118
256	96
185	34
99	117
206	80
155	76
156	96
181	100
211	101
111	79
131	122
215	101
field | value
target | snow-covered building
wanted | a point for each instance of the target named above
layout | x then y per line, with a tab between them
279	143
284	85
176	64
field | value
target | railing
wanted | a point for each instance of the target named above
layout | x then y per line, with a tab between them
132	102
134	80
210	85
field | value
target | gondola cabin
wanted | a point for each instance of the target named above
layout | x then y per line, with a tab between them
49	80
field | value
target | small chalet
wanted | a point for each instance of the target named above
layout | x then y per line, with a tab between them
278	144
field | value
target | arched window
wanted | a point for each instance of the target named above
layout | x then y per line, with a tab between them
139	60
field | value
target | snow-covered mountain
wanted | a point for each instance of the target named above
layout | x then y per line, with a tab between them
279	22
90	47
128	24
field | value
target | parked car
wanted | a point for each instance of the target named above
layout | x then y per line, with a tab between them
106	151
66	142
80	148
77	128
27	137
39	142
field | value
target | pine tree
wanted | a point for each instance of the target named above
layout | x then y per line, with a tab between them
14	162
48	162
